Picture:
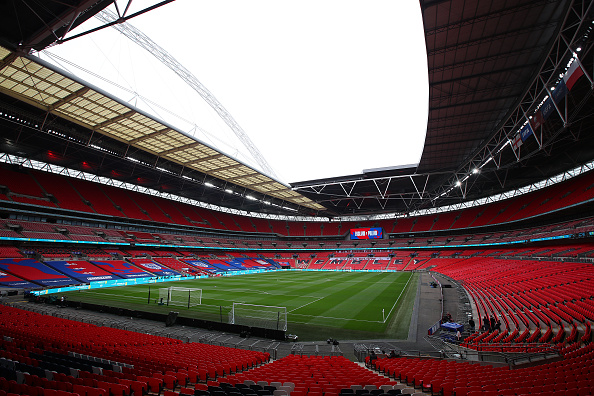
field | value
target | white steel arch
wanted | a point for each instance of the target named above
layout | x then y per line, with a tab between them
145	42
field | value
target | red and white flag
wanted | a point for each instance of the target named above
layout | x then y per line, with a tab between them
517	142
537	120
573	74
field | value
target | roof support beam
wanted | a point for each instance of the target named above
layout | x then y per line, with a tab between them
203	159
180	148
72	96
489	39
480	18
122	18
114	120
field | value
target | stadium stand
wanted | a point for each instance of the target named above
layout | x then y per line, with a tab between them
35	272
210	219
23	188
522	266
243	223
532	299
130	203
82	271
153	267
121	268
331	229
444	221
94	196
378	263
131	361
124	204
466	217
9	251
312	375
61	189
568	376
424	223
403	225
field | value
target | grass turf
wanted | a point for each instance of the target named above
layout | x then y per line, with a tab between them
341	305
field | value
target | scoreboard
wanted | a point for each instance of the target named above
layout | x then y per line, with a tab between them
366	233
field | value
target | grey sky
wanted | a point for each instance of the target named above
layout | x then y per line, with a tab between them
323	88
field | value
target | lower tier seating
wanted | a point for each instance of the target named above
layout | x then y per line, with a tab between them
569	376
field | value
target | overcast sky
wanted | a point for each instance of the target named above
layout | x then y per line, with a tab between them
323	88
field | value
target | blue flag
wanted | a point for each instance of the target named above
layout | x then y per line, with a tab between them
525	132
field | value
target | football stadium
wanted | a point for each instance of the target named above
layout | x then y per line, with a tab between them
139	259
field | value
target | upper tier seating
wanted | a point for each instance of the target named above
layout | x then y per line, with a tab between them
67	197
444	221
331	229
23	187
424	223
85	196
94	195
404	224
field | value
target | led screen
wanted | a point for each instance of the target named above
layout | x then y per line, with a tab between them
366	233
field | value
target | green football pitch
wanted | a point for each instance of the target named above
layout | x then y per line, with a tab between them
319	304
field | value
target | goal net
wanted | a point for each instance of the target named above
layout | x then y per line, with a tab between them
263	316
182	296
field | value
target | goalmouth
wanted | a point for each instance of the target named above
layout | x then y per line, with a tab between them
181	296
263	316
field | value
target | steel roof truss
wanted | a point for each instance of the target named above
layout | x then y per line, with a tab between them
538	90
204	159
485	17
116	119
383	193
348	193
492	38
67	99
180	148
382	203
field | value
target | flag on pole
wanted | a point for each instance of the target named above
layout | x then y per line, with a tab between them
517	142
547	108
560	91
537	120
573	74
526	132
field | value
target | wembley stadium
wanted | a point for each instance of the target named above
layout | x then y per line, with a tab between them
138	259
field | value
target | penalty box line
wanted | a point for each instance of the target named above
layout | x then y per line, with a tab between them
305	305
334	318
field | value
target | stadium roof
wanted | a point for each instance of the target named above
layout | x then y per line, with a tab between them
60	94
491	64
481	57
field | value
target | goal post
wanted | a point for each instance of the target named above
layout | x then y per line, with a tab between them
180	296
263	316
